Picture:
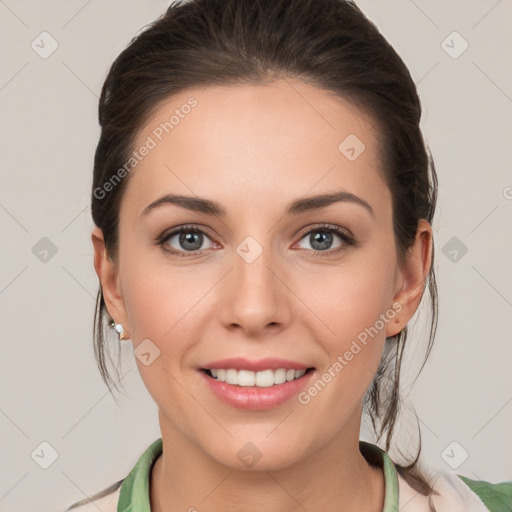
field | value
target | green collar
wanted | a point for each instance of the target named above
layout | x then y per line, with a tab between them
134	494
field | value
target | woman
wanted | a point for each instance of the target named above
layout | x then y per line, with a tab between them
263	201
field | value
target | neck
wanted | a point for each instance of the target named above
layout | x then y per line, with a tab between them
334	477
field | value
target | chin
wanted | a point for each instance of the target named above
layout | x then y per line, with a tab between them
258	454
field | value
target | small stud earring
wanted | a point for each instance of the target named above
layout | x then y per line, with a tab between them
119	329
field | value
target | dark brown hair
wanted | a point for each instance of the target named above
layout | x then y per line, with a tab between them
329	44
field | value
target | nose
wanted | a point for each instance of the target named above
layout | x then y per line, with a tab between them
255	298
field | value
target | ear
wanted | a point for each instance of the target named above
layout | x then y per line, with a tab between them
107	271
412	277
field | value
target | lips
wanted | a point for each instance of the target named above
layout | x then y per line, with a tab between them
240	363
256	385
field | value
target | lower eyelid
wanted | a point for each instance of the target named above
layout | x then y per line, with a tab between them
164	239
346	239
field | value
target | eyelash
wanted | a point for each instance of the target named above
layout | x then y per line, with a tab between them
324	228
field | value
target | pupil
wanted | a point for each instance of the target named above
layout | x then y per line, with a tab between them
324	239
192	238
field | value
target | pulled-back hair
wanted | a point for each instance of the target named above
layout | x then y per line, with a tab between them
329	44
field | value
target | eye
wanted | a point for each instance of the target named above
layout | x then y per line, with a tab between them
188	241
321	238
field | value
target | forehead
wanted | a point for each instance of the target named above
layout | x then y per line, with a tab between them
256	143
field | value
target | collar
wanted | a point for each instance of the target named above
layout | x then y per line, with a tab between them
134	493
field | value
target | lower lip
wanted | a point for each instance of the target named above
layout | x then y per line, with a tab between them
253	397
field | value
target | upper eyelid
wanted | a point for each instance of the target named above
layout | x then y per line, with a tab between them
304	232
176	231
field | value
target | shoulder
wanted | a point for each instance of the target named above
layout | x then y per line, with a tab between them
456	493
134	485
105	500
496	496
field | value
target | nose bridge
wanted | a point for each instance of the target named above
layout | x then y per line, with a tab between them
253	261
255	297
255	251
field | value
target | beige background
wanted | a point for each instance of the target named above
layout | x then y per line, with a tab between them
50	389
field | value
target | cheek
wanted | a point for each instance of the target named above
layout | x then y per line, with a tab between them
158	305
165	303
160	308
350	298
353	303
353	346
153	294
364	297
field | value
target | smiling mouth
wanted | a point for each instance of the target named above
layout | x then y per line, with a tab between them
262	379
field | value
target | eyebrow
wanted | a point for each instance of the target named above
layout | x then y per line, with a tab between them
296	207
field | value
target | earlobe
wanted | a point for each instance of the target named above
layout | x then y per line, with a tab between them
107	271
412	277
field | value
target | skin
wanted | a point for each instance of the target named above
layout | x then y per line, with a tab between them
254	149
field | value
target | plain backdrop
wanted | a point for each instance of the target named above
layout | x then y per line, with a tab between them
55	411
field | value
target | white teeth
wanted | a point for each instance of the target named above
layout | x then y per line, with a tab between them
262	379
246	378
280	376
265	378
231	376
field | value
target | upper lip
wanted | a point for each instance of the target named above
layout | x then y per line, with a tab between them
240	363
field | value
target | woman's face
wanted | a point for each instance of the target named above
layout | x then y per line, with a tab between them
264	280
